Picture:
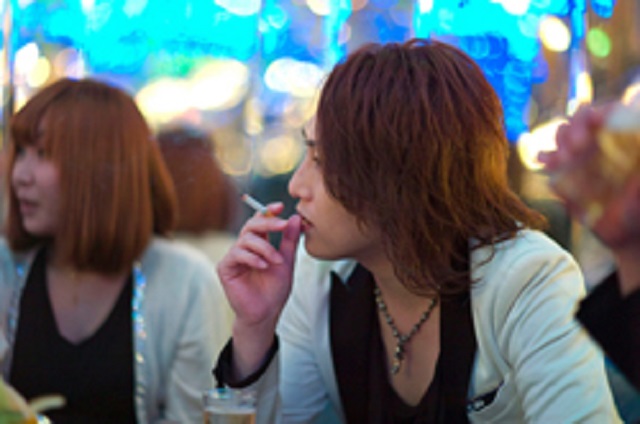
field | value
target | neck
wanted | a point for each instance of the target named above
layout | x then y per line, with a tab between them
69	269
392	289
56	262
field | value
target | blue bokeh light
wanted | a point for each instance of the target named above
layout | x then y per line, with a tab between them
136	37
502	37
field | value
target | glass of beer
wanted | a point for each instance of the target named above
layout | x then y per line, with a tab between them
229	406
593	183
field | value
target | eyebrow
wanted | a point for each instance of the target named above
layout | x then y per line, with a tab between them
308	141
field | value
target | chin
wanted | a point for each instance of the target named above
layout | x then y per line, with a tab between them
321	252
37	230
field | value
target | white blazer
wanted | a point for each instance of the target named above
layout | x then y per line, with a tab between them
529	345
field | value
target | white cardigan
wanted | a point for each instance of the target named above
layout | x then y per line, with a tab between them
181	326
528	343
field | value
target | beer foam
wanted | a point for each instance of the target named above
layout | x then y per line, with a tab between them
231	410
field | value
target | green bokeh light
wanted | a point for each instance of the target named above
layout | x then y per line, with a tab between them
598	42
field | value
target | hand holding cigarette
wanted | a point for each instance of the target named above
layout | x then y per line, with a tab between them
257	277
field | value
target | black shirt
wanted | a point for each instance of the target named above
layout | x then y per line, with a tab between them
95	376
614	322
361	363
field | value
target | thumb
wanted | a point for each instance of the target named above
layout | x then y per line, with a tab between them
290	238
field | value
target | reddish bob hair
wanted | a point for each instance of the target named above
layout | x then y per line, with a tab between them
207	198
411	141
115	189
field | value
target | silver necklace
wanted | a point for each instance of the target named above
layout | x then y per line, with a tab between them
401	339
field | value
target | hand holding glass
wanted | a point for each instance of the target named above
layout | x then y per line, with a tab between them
592	184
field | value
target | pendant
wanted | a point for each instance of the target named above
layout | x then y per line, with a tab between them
398	356
395	367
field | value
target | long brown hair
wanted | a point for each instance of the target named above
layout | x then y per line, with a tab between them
412	142
207	198
115	189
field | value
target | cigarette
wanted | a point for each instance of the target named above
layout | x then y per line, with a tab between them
255	205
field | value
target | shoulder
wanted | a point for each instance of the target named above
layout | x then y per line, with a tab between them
527	267
8	277
213	244
176	264
6	255
528	252
12	261
164	252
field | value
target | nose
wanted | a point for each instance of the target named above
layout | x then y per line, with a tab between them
298	186
22	172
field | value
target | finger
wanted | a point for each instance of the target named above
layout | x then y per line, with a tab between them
275	208
582	138
581	116
260	246
562	136
548	159
565	138
600	113
290	238
585	126
238	258
262	225
575	143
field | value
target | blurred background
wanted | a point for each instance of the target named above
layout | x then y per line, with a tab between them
246	72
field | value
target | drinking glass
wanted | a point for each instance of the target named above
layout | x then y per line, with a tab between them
229	406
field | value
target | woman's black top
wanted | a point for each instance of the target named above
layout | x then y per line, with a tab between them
95	376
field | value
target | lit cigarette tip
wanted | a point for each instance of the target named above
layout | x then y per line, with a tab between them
255	205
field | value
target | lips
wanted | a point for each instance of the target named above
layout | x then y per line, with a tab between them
306	224
27	207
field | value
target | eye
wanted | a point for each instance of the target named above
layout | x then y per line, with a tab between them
312	152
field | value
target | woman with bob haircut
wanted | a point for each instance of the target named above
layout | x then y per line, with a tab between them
436	300
96	305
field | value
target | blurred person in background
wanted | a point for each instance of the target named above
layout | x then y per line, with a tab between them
436	300
611	312
95	303
208	202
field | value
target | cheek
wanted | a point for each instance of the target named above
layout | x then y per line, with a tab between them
49	179
13	174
